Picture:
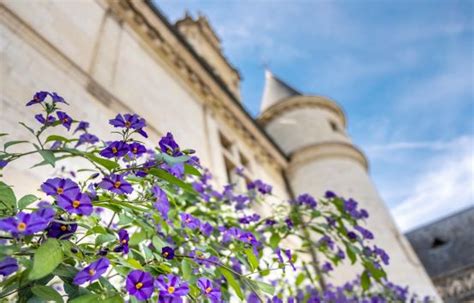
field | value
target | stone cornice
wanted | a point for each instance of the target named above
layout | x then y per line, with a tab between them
329	149
297	102
171	48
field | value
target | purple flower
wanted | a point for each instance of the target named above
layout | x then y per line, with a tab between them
116	184
278	253
140	284
3	163
326	240
169	146
367	234
248	237
253	298
137	149
8	266
189	221
306	199
329	194
167	253
208	290
115	149
123	242
162	203
327	267
259	185
290	258
24	224
201	259
230	234
57	98
289	223
58	186
128	121
352	235
75	202
171	286
65	119
87	138
46	121
92	272
83	125
61	230
38	98
206	229
382	254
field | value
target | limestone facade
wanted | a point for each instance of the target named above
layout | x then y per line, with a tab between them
115	56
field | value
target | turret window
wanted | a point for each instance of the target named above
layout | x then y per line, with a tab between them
334	126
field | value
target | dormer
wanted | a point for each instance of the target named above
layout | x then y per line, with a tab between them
202	38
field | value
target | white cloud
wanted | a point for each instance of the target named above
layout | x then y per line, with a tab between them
445	186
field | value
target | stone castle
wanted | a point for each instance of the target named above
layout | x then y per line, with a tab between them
115	56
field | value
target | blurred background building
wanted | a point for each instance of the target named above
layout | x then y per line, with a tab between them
109	57
446	249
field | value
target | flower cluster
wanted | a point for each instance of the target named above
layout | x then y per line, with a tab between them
140	223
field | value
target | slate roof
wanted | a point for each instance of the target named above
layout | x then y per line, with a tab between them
447	245
275	90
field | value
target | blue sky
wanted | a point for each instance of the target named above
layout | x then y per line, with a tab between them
403	71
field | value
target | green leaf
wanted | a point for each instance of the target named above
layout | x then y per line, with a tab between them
172	180
90	298
275	240
191	170
26	200
114	299
265	287
56	138
48	156
232	282
300	279
351	253
251	258
110	165
3	134
137	237
10	143
174	160
27	127
101	239
134	263
158	243
365	280
7	198
47	293
46	258
186	268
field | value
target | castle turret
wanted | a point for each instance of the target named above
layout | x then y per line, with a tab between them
311	130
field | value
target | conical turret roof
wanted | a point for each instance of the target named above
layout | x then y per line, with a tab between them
275	90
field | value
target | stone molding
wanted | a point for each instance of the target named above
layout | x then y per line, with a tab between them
299	102
178	56
329	149
456	286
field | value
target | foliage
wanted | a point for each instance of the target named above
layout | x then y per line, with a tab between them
147	224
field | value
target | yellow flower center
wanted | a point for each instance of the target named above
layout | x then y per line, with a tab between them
114	150
124	241
134	150
76	203
249	238
65	120
208	290
117	184
60	190
21	226
63	227
170	289
128	124
91	272
139	285
188	220
165	254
